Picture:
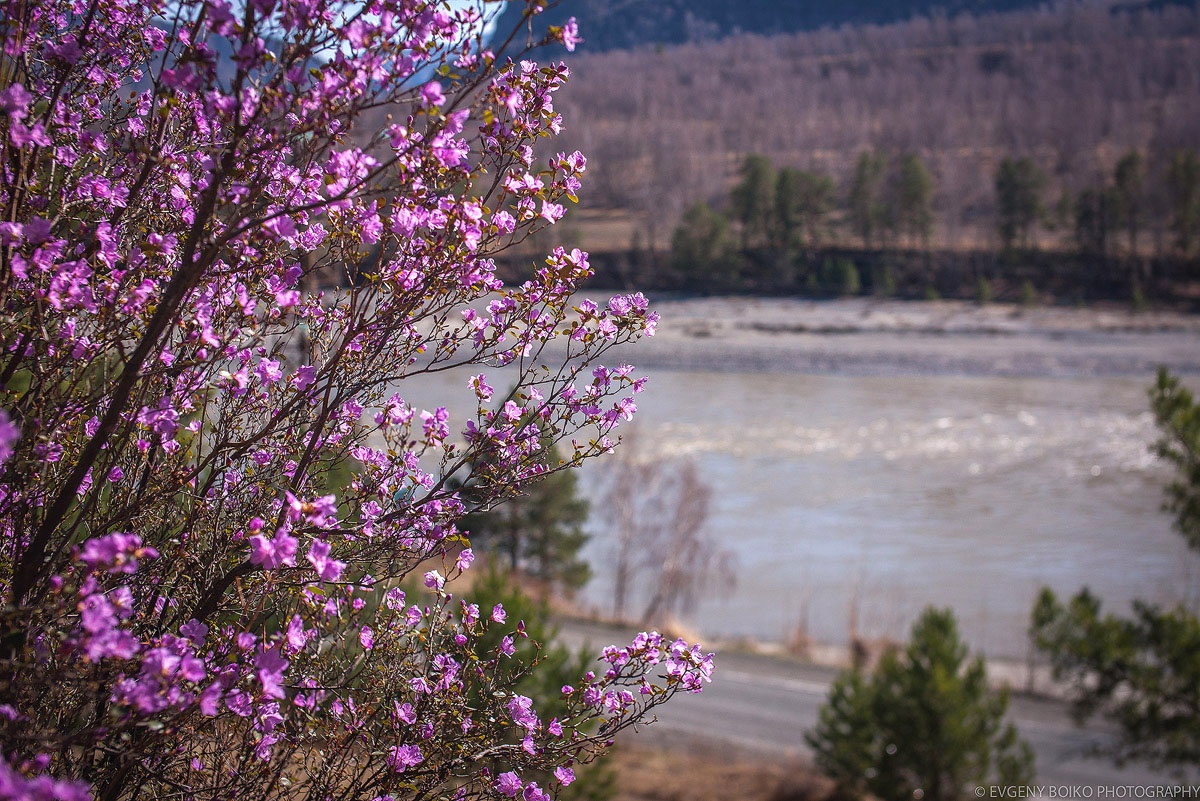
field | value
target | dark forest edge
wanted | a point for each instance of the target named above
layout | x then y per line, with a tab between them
1030	278
1133	236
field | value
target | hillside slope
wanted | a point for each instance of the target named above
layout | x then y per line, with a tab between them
618	24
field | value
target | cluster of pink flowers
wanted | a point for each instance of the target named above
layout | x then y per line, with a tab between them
211	488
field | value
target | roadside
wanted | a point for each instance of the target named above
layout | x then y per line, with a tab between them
682	770
759	707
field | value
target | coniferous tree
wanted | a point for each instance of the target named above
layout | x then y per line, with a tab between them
1183	184
912	198
923	725
867	209
1129	193
1019	185
539	532
803	203
1097	211
538	667
701	245
753	200
1140	672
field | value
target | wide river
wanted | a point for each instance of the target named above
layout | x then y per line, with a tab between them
927	471
888	494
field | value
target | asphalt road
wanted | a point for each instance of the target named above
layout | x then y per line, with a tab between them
763	706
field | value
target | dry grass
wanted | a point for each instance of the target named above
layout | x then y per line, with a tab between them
712	773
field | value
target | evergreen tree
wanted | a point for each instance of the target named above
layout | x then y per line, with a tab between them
1140	672
701	245
867	209
1096	217
912	200
1183	184
1129	194
539	532
537	668
923	725
1019	186
803	203
753	200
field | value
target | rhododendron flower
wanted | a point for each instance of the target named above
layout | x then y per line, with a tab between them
509	784
222	262
465	557
520	708
431	94
269	668
274	552
570	34
404	757
328	569
9	434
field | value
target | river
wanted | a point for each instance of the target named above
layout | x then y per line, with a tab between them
868	459
886	494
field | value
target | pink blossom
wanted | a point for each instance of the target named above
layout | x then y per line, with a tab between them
119	552
269	669
465	557
509	784
404	757
520	708
570	35
328	569
431	94
275	552
9	434
304	377
534	793
405	713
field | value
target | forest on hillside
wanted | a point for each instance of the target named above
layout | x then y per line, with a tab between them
1072	89
623	24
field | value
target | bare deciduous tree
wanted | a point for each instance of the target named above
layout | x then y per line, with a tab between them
658	508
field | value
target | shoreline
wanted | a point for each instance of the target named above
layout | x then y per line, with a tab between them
579	629
868	337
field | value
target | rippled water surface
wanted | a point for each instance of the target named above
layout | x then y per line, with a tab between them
888	494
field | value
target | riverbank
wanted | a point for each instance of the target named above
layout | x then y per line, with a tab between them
1031	678
864	336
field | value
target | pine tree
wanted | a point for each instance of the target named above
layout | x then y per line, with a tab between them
803	203
753	200
1129	193
923	725
912	199
1140	672
538	667
1019	185
701	244
868	211
1183	183
539	532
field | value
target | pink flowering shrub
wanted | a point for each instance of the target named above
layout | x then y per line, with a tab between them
192	607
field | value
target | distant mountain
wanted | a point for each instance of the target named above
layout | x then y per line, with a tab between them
619	24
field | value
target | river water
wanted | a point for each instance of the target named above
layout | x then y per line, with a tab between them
858	478
872	497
